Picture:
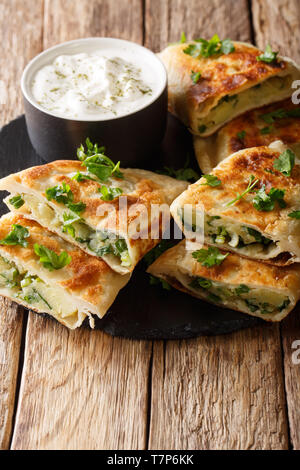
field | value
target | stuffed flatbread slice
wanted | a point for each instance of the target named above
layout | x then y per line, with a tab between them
250	203
226	85
72	202
43	272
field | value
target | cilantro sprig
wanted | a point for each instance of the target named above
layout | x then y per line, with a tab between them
50	259
209	257
251	184
69	219
294	215
182	174
82	177
202	47
211	180
16	236
285	162
64	195
97	163
268	56
91	149
265	202
280	113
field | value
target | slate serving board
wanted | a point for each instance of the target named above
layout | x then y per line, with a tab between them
141	310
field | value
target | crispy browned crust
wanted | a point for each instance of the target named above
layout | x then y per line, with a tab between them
234	173
142	190
234	269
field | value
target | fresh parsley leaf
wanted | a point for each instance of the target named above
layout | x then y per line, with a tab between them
202	128
50	259
76	207
97	163
211	180
294	215
195	76
158	250
266	130
266	202
91	149
270	118
17	201
251	184
103	167
108	194
268	56
242	289
182	38
204	48
241	135
16	236
227	46
63	195
209	257
81	177
285	162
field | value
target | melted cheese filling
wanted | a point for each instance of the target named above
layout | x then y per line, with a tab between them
241	297
32	291
244	239
231	106
103	244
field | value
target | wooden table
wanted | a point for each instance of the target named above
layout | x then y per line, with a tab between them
87	390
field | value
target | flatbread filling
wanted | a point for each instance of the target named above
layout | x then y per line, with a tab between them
228	234
32	291
102	243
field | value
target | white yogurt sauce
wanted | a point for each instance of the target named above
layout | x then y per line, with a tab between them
97	85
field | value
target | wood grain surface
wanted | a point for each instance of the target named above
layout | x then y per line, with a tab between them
283	17
86	390
15	17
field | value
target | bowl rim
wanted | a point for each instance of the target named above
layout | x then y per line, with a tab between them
44	53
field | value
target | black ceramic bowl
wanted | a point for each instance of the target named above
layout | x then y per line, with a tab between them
132	138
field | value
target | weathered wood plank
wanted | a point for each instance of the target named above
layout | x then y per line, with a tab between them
278	23
82	389
224	392
17	49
